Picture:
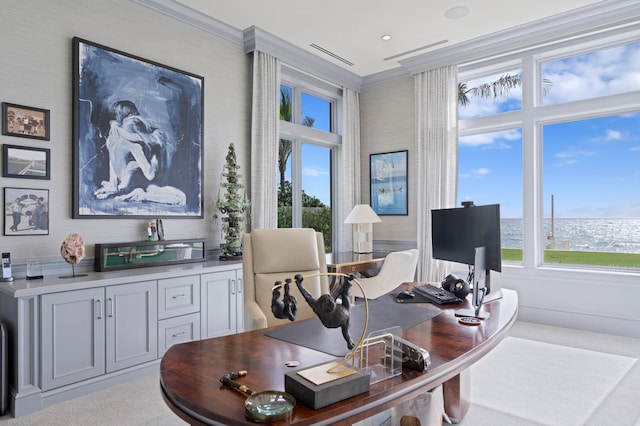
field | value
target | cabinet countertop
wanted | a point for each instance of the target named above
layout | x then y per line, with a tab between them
21	287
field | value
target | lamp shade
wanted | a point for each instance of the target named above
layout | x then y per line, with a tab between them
362	213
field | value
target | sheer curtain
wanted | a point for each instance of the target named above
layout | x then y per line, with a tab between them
265	128
349	191
436	106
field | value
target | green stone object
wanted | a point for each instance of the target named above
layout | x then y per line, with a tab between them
233	207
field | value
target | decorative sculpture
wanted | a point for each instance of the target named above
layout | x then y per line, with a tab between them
72	251
330	313
288	307
235	206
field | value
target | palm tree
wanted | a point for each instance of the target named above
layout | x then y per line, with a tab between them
284	149
495	89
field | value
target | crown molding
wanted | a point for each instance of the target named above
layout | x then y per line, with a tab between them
588	19
256	38
196	19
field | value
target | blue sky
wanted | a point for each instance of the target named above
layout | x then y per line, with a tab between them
590	166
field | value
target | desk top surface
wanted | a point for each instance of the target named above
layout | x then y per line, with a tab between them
190	373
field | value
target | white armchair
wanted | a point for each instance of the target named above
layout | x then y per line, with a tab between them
398	267
270	255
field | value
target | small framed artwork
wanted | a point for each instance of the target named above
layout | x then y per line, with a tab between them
388	179
25	162
26	211
25	122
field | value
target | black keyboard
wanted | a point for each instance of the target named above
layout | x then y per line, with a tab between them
435	294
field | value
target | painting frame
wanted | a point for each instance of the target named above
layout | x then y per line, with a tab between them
138	137
26	162
29	211
13	126
389	183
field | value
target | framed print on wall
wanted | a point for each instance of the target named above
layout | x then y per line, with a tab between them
27	211
137	135
388	177
25	122
26	162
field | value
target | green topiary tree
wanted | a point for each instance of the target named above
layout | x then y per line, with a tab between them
234	205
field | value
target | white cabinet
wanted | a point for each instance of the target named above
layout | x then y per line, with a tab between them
72	336
178	311
131	312
222	310
90	332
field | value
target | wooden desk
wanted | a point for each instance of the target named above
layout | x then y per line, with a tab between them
349	262
190	372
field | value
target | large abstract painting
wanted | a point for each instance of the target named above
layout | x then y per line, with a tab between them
138	132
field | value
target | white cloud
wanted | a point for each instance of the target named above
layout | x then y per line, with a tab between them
310	171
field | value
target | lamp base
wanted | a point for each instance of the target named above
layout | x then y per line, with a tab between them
316	396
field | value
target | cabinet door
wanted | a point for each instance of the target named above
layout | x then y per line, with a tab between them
219	294
72	324
131	312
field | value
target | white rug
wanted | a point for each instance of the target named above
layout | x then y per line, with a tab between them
545	383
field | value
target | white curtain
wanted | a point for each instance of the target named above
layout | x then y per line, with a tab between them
436	106
265	128
349	191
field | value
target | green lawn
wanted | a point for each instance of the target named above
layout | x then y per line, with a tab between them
569	257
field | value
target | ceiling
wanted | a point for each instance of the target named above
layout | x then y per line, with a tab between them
348	32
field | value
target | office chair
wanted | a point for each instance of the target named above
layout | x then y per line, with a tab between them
270	255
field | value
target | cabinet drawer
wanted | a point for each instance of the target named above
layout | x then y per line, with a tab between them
177	330
178	296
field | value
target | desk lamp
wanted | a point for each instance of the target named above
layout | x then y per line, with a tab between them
362	216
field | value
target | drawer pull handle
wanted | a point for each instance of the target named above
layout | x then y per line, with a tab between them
180	334
178	296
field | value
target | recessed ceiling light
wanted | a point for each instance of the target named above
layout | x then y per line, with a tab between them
457	12
386	37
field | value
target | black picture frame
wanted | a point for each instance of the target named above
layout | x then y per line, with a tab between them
27	211
389	183
25	121
138	132
26	162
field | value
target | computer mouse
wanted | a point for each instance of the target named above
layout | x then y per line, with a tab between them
405	295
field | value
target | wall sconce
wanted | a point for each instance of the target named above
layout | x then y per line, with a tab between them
362	216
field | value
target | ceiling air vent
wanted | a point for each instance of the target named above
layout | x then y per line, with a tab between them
333	55
409	52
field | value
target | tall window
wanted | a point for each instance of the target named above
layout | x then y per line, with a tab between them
490	172
308	140
569	181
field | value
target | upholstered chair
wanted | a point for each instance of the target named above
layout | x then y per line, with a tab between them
398	267
270	255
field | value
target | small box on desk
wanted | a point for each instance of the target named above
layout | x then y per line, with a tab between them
318	396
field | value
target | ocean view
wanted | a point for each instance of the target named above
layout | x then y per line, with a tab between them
596	235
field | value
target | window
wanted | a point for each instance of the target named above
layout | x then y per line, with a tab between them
594	74
592	214
487	162
308	143
567	176
492	94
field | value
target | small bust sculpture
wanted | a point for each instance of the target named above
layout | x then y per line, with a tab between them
72	249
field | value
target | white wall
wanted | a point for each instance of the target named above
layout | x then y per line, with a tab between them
36	56
387	120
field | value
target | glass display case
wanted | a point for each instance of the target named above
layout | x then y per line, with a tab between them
138	254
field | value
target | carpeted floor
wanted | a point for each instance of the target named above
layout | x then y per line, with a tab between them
540	375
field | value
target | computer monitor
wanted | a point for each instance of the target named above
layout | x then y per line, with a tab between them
456	232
